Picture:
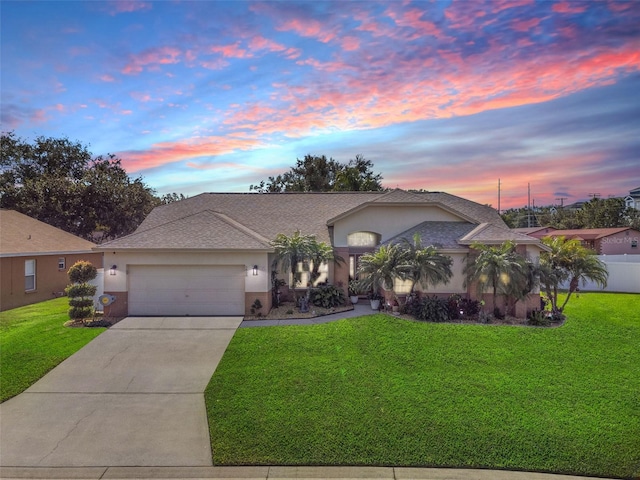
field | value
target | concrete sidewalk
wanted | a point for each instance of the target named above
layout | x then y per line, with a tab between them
277	473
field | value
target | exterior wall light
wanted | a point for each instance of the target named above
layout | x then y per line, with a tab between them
255	270
112	270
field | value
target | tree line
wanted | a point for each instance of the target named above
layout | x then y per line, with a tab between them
596	213
59	182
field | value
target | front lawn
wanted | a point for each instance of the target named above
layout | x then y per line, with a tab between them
33	340
378	390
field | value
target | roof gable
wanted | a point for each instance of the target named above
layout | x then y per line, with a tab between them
23	235
492	234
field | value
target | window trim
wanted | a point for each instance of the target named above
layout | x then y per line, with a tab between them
31	261
62	263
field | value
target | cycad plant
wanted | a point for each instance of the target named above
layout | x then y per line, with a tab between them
422	265
497	267
569	261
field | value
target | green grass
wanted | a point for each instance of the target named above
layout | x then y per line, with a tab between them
33	340
378	390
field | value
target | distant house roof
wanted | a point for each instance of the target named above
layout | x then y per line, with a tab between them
21	235
251	220
587	233
533	230
635	192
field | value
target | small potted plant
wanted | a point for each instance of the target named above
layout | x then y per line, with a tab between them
354	291
375	298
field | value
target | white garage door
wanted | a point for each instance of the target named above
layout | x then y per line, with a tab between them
162	290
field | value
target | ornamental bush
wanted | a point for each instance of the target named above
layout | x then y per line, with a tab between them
82	272
80	292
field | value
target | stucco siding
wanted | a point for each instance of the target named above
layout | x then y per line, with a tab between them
387	221
50	280
620	243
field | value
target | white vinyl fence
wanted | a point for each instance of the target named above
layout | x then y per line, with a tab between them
624	274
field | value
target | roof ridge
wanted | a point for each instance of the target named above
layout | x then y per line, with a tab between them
239	226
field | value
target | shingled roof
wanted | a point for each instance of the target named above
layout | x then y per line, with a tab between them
247	220
22	235
443	235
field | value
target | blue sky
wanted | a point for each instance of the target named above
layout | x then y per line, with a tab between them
441	95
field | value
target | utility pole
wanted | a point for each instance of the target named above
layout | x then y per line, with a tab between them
498	196
594	195
529	205
562	199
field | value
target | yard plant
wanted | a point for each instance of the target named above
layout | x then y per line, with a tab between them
33	340
379	390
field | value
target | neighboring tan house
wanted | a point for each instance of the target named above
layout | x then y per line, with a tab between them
35	258
210	254
603	241
633	199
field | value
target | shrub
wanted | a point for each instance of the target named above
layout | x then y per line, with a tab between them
80	313
82	272
430	309
256	307
327	296
80	290
462	307
539	318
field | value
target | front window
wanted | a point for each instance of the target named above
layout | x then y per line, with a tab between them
363	239
29	275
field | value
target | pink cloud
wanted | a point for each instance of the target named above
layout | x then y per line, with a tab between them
349	43
127	6
260	43
231	51
107	78
413	19
151	58
168	152
568	7
308	28
525	25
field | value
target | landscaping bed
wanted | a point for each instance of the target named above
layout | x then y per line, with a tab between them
288	310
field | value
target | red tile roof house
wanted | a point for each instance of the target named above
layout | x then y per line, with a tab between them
35	258
603	241
197	256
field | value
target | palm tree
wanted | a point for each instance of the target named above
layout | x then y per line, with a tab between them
319	253
380	268
292	250
424	265
496	267
568	260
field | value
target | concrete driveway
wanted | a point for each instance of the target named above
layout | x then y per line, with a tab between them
131	397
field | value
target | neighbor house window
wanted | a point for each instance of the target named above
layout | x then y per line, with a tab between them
29	275
363	239
634	244
61	263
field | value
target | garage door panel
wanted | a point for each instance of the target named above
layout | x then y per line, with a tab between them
186	290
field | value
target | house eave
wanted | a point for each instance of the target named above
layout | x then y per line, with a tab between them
40	254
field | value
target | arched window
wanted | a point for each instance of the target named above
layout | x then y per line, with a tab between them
363	239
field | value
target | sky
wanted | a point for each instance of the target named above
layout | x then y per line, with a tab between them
453	96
